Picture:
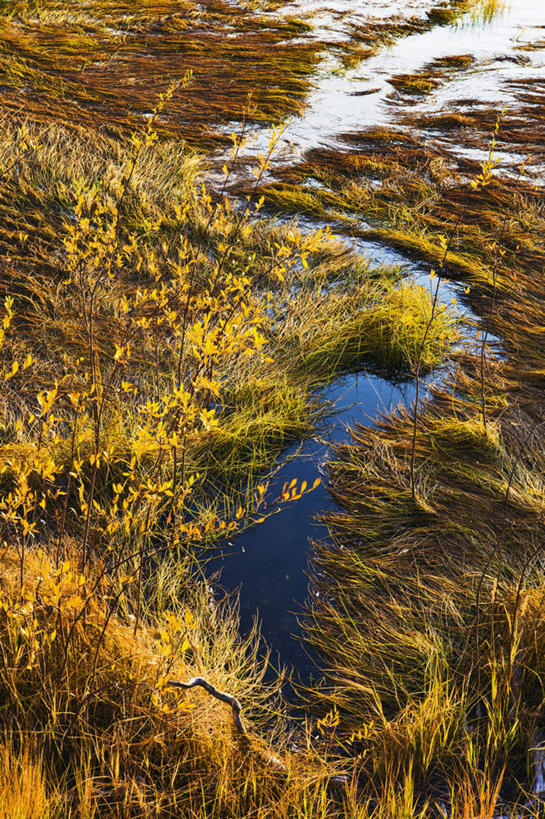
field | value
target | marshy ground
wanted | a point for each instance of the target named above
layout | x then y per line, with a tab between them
173	322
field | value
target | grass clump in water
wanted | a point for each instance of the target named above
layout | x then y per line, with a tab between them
383	328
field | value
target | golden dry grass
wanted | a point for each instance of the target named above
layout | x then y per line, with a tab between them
105	65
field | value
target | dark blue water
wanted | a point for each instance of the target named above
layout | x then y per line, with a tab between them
268	563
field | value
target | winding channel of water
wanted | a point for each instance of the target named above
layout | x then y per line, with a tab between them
269	563
343	101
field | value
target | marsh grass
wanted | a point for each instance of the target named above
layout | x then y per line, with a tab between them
425	602
368	38
159	347
399	584
432	75
409	196
69	63
382	329
157	356
24	791
487	10
112	737
302	307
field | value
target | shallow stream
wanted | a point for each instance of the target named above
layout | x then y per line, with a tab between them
506	50
268	563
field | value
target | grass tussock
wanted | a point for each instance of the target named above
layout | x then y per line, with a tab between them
385	330
24	792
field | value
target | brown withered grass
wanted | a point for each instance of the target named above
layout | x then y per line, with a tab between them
105	66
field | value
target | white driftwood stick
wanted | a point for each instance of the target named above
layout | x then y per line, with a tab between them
336	782
219	695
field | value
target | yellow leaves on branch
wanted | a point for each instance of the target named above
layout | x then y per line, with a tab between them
491	162
9	371
330	722
163	319
291	491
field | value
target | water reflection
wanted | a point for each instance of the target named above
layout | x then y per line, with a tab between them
269	562
343	101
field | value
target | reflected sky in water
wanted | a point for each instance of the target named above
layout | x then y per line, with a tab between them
269	562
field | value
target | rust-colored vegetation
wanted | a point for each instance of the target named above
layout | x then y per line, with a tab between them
104	64
151	373
367	39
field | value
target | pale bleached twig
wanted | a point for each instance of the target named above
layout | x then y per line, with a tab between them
219	695
336	782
